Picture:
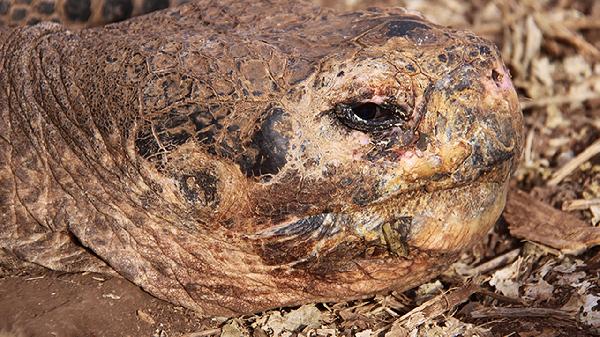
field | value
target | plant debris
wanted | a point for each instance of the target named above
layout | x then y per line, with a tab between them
536	221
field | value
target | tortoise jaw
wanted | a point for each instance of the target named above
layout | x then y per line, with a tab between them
390	229
455	217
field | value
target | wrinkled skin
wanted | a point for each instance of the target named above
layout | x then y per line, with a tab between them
232	158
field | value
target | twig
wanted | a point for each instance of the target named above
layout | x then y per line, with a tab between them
391	312
529	148
580	204
574	163
35	278
494	263
431	309
210	332
583	23
499	297
558	100
491	28
521	312
558	30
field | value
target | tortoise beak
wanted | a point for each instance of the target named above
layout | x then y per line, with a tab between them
475	110
500	122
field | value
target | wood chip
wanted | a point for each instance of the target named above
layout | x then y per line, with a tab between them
558	30
326	332
493	28
536	221
559	99
145	317
111	296
529	148
35	278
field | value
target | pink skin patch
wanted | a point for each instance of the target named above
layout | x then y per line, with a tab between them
377	99
361	139
409	154
499	81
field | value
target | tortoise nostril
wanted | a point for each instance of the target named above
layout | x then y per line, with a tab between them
497	77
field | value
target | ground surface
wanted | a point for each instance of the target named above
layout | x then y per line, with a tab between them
535	275
58	304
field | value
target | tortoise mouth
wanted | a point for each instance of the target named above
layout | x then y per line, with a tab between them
393	228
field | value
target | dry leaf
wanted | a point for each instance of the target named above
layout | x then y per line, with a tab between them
539	291
427	290
307	316
586	307
364	333
506	281
233	329
533	41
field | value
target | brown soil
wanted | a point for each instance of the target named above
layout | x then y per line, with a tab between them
59	304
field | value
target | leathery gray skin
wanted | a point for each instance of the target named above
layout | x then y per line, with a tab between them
232	157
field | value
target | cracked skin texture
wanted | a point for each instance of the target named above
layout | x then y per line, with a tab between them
232	157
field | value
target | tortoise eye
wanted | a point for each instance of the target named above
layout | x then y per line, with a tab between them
367	111
369	116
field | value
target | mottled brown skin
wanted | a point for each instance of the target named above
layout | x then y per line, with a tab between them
213	153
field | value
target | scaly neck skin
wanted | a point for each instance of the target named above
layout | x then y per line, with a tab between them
68	165
3	36
35	164
65	165
74	106
47	107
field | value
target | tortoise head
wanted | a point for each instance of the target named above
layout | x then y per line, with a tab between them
236	157
333	146
403	138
